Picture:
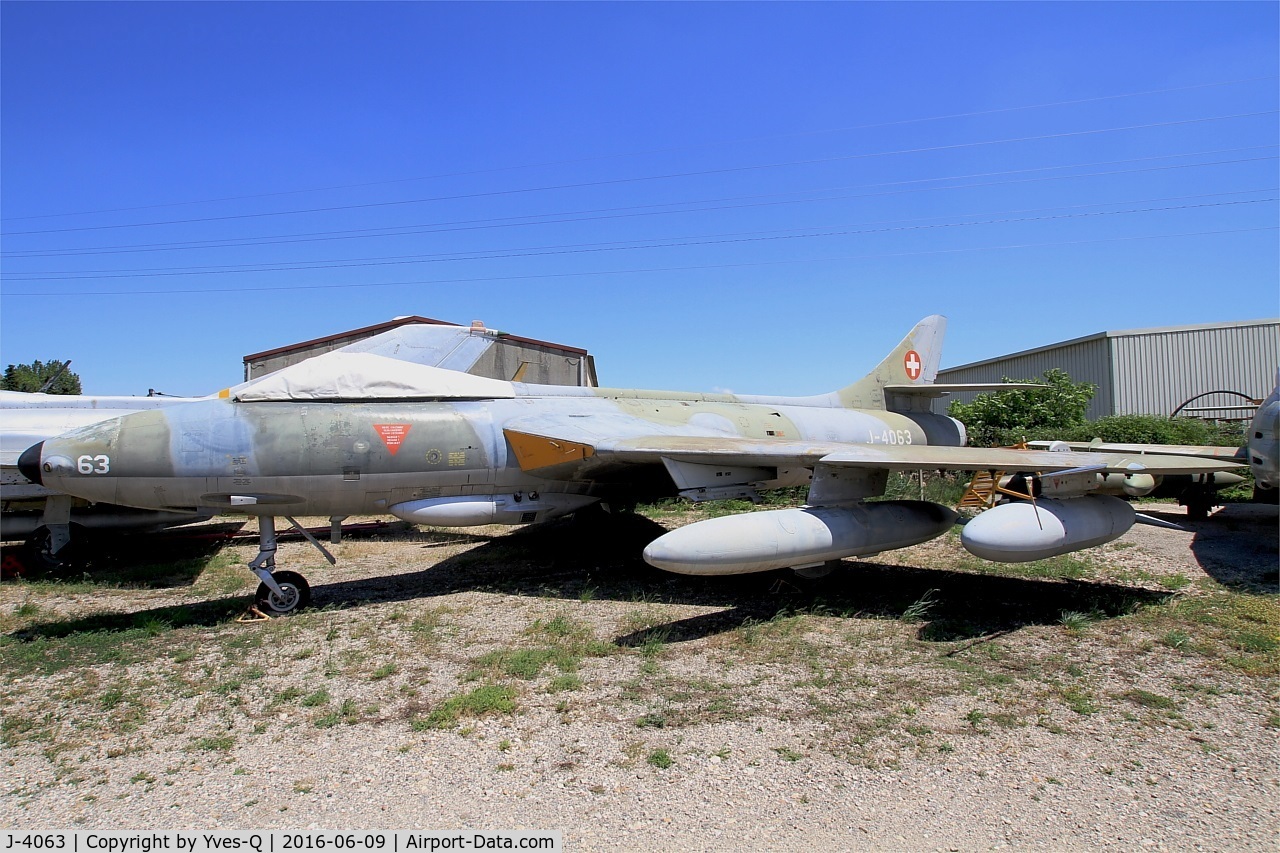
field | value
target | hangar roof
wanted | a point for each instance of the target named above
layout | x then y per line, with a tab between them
368	331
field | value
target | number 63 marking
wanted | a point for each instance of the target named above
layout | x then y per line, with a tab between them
94	464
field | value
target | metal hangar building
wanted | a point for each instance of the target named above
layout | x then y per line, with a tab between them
1212	370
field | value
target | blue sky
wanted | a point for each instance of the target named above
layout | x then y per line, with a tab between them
755	197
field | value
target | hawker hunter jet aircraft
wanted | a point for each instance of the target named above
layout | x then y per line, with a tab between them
360	433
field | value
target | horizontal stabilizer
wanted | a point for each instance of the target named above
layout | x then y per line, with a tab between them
939	389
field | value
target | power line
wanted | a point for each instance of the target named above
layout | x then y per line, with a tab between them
646	210
669	176
738	265
555	250
655	242
669	149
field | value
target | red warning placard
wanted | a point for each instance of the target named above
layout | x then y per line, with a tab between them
393	435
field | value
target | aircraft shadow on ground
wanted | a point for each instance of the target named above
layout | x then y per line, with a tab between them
570	561
1236	546
176	558
144	561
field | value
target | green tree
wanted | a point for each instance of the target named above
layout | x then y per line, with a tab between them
1006	417
32	377
1157	429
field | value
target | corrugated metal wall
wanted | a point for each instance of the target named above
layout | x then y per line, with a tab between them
1084	361
1149	371
1156	372
533	364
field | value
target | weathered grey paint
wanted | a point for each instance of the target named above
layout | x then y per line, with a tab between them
1147	371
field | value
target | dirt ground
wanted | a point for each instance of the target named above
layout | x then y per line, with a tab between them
547	678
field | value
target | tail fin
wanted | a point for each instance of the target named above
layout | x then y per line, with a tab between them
912	362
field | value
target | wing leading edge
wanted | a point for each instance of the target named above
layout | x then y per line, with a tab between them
554	443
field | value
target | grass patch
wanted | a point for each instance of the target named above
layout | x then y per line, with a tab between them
561	626
215	743
919	610
564	681
1079	700
489	699
1074	620
1238	629
111	698
47	648
1148	699
348	712
652	720
526	664
660	759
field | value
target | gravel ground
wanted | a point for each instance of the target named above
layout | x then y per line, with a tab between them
547	679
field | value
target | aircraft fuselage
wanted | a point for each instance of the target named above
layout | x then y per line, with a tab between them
346	458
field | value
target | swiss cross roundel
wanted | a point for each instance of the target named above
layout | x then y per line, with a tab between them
911	361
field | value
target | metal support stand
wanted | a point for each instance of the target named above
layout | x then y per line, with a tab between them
335	529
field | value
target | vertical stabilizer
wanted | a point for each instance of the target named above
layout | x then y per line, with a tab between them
912	362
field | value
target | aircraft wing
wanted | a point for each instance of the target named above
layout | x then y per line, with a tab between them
548	442
1223	453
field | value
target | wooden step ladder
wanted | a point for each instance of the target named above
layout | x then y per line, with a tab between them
982	489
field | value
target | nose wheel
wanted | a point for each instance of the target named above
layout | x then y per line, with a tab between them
294	594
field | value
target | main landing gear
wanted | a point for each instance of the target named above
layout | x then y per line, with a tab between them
281	592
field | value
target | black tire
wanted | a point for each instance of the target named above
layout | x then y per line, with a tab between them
1198	510
1199	501
297	595
39	551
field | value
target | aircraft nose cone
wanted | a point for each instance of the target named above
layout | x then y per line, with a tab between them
29	463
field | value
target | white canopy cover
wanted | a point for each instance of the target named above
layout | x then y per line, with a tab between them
363	376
